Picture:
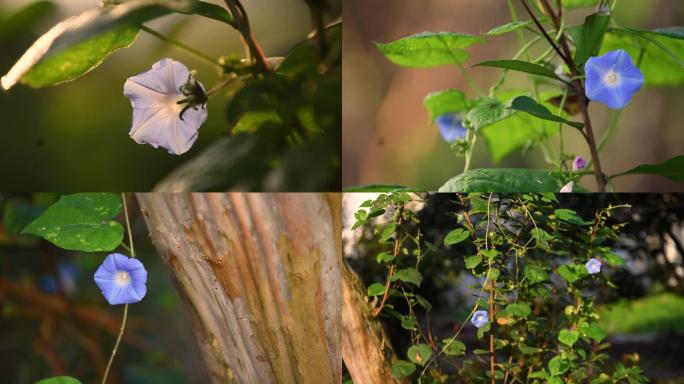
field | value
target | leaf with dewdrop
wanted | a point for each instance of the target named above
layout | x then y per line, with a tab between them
81	222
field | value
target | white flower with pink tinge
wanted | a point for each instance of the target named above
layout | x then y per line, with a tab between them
168	106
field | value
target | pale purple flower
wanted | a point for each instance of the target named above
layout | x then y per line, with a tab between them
612	79
451	127
168	106
121	279
578	164
479	319
593	266
567	188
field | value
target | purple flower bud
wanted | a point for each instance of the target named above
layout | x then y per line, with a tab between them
451	127
612	79
593	266
479	319
121	279
578	164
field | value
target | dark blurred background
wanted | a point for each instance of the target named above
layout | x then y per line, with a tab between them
74	137
55	321
643	315
387	137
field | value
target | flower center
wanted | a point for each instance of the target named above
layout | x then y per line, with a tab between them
122	278
611	78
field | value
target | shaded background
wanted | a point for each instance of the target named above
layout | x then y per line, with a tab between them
387	137
55	321
644	314
74	136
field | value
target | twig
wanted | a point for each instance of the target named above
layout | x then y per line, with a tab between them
242	23
395	252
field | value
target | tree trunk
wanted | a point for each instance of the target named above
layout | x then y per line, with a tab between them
367	352
261	275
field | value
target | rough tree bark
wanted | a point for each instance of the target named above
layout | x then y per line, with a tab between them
261	275
367	352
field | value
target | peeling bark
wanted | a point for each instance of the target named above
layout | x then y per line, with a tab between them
261	275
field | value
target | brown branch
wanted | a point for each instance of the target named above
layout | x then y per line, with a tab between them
395	252
491	332
239	14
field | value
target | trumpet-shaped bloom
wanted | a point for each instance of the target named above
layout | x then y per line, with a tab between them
593	266
451	127
612	79
578	164
121	279
165	112
480	318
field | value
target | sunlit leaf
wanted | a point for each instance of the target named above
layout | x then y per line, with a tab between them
429	49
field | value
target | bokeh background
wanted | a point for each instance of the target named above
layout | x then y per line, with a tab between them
55	321
644	314
74	136
387	137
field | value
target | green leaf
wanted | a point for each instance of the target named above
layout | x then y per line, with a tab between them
379	188
490	254
444	102
663	60
473	261
558	365
568	337
613	258
384	257
408	275
569	216
81	222
521	310
79	44
388	231
376	289
521	66
569	274
591	38
535	274
673	169
542	237
402	368
487	113
502	180
509	27
456	236
518	132
527	350
59	380
424	303
429	49
528	105
419	354
409	322
454	348
592	331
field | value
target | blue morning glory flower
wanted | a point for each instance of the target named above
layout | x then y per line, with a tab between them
479	319
121	279
451	127
612	79
593	266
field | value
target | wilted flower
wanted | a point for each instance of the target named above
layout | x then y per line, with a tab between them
593	266
168	106
578	164
451	127
121	279
480	318
567	188
612	79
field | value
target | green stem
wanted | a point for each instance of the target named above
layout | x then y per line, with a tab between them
180	45
125	314
471	82
472	140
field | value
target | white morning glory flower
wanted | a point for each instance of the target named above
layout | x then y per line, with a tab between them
567	188
168	106
593	266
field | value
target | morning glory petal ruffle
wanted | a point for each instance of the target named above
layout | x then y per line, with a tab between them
154	96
